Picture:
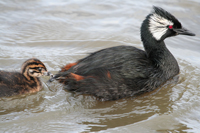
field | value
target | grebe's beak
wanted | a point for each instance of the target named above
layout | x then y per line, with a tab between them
58	76
184	31
48	74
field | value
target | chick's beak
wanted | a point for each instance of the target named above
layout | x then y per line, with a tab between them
184	31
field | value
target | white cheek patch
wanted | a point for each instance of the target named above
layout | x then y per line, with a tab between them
158	25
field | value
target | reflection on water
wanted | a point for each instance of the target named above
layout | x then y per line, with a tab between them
60	32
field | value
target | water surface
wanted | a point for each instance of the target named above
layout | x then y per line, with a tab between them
60	32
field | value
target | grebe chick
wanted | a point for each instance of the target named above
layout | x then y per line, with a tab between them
125	71
26	81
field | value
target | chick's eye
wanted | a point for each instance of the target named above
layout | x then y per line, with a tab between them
170	26
39	69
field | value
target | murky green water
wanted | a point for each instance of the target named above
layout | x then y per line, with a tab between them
60	32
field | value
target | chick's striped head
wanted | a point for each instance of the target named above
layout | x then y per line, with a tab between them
34	68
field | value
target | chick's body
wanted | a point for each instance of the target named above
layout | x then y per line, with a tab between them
14	83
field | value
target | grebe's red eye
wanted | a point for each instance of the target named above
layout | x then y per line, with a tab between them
170	26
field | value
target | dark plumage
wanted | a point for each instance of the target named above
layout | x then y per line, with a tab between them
124	71
26	81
